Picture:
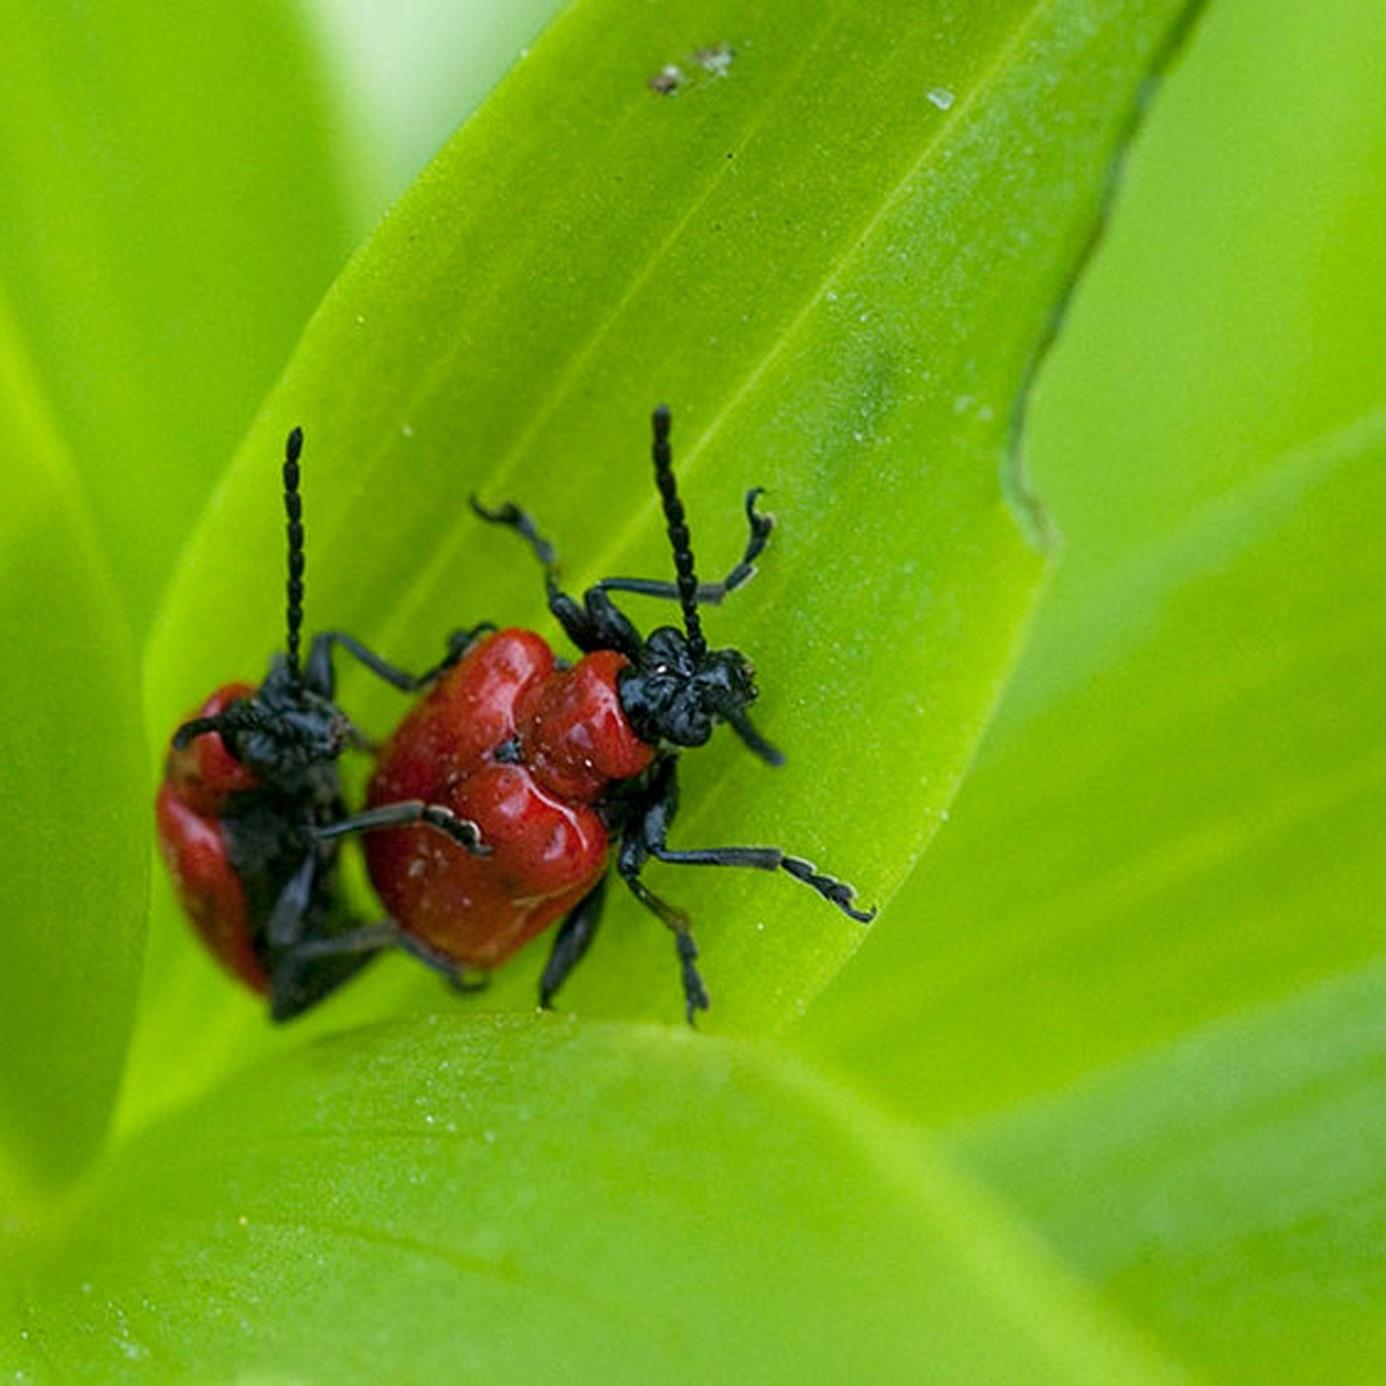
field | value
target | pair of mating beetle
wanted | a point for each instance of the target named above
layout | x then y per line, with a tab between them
498	806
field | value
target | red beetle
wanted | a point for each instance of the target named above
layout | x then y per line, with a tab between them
250	787
563	768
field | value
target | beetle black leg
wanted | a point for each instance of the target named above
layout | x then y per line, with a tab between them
645	835
649	820
709	593
321	676
457	977
285	925
311	968
596	624
572	941
655	812
402	815
512	517
695	997
304	973
830	888
366	938
609	628
568	613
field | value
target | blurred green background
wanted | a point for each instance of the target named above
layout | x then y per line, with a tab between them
1102	1096
1139	980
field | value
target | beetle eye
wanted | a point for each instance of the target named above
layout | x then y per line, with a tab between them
746	678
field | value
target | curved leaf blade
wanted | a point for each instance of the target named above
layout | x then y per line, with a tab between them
1227	1188
843	310
521	1200
1234	678
170	220
74	853
1220	1185
1243	284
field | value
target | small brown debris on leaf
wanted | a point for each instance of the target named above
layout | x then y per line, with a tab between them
667	80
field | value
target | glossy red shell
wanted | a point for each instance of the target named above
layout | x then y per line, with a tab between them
198	780
549	846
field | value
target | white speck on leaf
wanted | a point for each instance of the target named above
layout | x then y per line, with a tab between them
716	60
940	97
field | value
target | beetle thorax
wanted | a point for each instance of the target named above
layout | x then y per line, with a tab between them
573	733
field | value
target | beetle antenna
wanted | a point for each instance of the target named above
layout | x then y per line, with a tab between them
678	531
293	514
741	725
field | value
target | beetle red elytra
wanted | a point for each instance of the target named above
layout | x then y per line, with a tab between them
568	772
250	787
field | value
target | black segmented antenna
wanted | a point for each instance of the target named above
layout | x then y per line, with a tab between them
293	513
678	531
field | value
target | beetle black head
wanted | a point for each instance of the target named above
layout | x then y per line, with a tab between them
283	729
679	689
290	727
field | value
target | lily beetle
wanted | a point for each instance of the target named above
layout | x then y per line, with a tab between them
250	790
569	770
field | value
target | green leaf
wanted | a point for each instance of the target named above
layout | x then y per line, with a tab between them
517	1200
836	262
1154	878
1235	311
412	73
73	855
1228	1189
170	220
1183	816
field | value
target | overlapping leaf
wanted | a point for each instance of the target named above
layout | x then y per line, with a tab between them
1235	311
171	216
73	854
1182	811
1228	1190
1185	818
410	77
519	1200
